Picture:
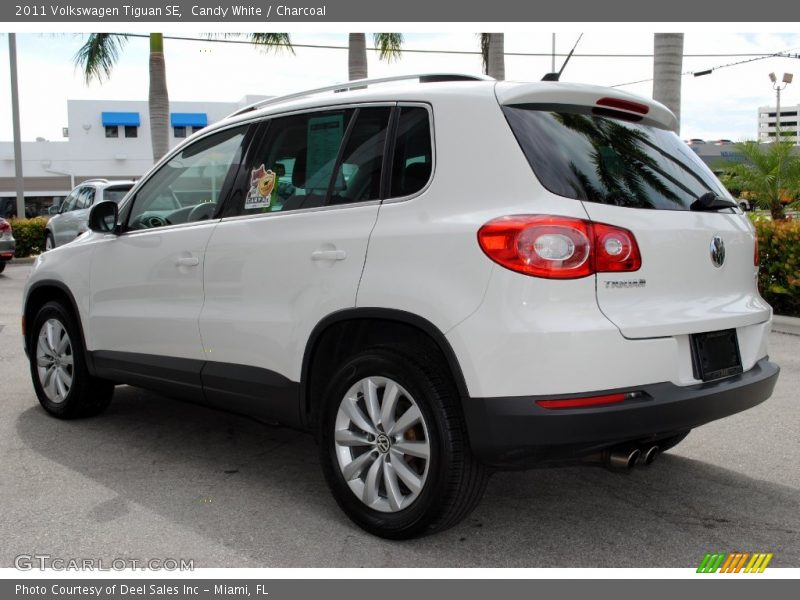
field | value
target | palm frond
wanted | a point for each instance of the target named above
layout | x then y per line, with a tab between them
276	42
98	55
389	45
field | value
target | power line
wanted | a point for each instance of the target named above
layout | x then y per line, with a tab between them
432	51
784	54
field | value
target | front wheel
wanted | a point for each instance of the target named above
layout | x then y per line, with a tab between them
394	446
49	242
62	382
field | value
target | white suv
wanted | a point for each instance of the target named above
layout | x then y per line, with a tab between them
438	279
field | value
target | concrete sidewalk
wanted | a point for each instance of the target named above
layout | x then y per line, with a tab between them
790	325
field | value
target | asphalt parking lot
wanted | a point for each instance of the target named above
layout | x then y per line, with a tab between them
158	478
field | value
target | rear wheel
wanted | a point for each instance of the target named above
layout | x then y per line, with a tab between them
394	447
2	266
58	366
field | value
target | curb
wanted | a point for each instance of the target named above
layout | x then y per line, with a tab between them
782	324
28	260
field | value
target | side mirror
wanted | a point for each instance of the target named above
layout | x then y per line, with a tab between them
103	217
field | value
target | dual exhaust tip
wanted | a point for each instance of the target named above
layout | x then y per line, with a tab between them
624	458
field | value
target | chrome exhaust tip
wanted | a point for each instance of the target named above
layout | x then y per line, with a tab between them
650	455
623	459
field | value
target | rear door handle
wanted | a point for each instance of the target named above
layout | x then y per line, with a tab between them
328	255
187	261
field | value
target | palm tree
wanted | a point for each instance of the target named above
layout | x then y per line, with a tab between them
389	48
100	53
667	65
493	55
770	172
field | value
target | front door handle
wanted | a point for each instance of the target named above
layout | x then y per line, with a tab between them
187	261
328	255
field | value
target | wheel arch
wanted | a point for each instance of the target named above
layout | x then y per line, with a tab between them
39	294
343	333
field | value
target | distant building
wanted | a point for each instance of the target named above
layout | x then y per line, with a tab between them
103	138
789	123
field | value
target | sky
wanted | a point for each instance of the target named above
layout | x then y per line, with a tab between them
721	105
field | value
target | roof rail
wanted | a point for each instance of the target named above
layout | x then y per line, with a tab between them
360	83
94	179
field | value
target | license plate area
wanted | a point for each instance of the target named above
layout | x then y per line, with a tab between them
715	355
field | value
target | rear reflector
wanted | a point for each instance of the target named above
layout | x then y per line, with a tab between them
621	104
584	402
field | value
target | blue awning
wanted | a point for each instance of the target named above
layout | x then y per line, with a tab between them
188	119
121	118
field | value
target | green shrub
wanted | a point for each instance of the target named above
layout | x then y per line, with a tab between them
779	273
29	234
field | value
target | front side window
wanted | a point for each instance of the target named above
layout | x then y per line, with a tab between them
69	202
579	153
188	187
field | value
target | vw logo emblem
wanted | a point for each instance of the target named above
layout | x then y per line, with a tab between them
717	251
382	443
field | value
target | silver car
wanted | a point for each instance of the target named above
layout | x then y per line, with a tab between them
73	215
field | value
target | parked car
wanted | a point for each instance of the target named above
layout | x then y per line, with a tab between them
593	300
72	216
8	244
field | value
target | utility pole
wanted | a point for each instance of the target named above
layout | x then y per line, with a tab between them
12	57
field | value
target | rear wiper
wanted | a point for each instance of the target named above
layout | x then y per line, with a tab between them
711	201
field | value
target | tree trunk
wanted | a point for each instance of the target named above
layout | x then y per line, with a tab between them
496	63
667	65
158	98
357	56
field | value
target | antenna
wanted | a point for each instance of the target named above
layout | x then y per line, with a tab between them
557	76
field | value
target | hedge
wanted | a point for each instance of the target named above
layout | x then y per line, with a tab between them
779	273
29	234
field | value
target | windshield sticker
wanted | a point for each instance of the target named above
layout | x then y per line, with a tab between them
263	188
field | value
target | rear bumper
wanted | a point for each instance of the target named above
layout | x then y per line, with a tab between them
516	432
7	248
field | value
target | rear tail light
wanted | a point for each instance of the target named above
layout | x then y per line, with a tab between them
5	228
622	104
558	247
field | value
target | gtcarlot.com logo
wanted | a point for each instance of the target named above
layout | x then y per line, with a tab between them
42	562
734	562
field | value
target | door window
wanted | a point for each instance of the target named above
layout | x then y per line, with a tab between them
292	167
69	202
190	185
358	177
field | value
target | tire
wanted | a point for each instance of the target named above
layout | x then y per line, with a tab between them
62	382
2	266
49	241
449	483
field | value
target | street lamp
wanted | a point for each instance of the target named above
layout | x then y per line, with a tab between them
787	79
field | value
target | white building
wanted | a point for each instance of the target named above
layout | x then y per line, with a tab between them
790	130
103	138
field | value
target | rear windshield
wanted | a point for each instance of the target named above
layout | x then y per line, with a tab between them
578	154
117	193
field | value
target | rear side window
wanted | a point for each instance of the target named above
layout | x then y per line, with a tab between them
412	163
596	158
